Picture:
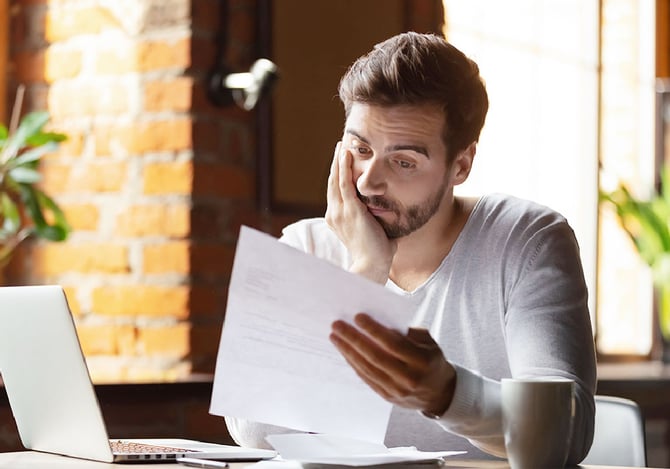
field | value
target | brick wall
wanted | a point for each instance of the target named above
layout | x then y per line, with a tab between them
154	180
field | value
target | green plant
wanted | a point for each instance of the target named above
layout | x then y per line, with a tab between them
647	222
25	209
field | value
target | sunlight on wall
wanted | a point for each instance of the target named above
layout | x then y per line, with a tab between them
540	138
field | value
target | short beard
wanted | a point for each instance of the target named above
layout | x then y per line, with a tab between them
408	220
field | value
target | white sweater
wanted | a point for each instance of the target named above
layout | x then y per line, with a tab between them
509	300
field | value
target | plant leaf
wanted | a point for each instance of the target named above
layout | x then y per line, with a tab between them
30	125
11	219
3	132
34	154
42	138
36	201
664	309
59	230
642	223
25	175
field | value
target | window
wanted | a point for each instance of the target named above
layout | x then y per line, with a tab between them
563	105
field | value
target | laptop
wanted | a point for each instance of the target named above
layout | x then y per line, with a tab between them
51	395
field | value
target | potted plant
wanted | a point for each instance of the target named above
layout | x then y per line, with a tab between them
647	223
25	210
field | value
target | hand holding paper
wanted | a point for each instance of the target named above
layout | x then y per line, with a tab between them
276	364
408	370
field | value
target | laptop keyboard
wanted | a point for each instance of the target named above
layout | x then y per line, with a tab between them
130	447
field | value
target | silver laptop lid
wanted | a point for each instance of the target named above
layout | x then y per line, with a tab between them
45	375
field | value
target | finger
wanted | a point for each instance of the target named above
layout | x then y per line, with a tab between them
346	180
420	335
404	348
365	348
333	192
373	376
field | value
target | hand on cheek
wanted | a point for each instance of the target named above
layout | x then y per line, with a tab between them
371	251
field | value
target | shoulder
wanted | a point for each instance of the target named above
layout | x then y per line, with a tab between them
501	215
522	227
510	210
305	232
314	236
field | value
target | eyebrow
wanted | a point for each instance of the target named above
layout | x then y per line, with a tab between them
415	148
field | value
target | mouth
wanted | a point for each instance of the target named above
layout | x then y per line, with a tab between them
378	211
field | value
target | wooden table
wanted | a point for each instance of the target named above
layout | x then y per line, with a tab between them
34	460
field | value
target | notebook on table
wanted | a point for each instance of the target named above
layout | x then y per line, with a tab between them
50	391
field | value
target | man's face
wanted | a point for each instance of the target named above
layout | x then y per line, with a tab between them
400	163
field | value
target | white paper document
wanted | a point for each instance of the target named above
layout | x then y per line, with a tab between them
275	362
332	450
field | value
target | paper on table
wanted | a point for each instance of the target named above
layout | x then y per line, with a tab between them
276	364
332	450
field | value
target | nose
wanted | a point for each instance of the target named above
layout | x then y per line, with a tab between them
370	177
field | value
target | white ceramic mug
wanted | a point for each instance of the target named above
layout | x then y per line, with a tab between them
537	421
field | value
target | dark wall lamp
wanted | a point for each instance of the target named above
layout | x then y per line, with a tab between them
243	89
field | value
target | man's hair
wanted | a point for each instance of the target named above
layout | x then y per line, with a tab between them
417	69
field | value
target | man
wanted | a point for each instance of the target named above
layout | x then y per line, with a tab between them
497	281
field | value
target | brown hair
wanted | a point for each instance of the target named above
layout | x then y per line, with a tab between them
415	69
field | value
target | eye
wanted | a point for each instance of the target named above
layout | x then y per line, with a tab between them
405	164
359	150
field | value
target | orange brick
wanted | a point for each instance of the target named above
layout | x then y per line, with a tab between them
66	22
59	258
171	135
142	300
81	217
223	180
172	341
144	56
94	177
168	178
168	95
99	177
55	178
142	137
97	340
172	220
163	258
164	54
107	339
71	99
61	64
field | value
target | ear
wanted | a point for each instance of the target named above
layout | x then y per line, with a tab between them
460	168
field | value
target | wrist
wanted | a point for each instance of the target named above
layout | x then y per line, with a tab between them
437	410
375	272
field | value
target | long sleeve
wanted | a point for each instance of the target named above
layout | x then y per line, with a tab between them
547	333
509	300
